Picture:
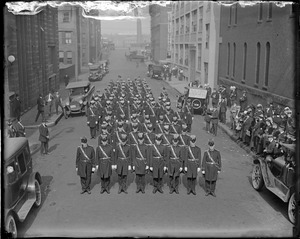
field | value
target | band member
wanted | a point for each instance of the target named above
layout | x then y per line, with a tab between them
123	162
192	165
175	126
174	162
103	130
167	137
104	157
140	163
157	157
85	164
44	137
184	137
211	167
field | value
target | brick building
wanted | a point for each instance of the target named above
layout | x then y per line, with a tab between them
257	51
33	41
159	31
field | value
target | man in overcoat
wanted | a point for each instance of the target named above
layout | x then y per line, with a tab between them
192	165
44	137
19	127
123	162
211	167
85	164
104	158
140	162
174	160
92	121
40	108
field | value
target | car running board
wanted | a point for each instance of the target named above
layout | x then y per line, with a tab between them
24	210
279	193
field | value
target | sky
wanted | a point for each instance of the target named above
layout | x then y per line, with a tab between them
125	26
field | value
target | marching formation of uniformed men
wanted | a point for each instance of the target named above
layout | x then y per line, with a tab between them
141	136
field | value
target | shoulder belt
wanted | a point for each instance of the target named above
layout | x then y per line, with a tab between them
213	161
103	152
182	140
191	152
148	138
122	151
131	133
138	148
159	154
173	151
84	154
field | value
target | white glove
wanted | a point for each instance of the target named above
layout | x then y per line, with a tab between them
147	167
88	123
185	168
129	167
165	168
198	170
96	122
180	169
151	168
112	167
97	167
115	166
93	169
76	169
203	172
218	171
133	167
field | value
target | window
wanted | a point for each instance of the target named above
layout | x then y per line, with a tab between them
66	16
205	72
194	21
235	13
11	173
187	23
233	63
27	155
244	62
207	36
200	14
267	64
269	16
228	59
69	57
181	25
21	163
200	25
186	55
177	26
199	56
66	37
260	12
257	63
230	15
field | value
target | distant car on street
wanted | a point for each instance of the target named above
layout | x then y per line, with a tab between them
197	97
155	71
278	175
22	185
80	93
95	73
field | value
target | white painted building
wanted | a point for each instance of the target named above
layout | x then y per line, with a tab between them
195	47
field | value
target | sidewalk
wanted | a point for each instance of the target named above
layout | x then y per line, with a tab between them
180	85
28	118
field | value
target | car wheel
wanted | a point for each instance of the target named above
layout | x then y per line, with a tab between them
292	209
257	178
11	226
38	194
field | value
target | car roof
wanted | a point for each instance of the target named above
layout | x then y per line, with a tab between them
13	145
77	84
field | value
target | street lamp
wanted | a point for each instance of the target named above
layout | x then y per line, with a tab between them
11	59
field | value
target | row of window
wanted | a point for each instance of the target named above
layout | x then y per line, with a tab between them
257	62
68	55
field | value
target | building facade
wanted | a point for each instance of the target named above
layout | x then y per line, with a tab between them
257	51
33	42
195	47
159	31
79	38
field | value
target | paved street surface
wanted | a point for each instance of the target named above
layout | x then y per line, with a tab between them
238	210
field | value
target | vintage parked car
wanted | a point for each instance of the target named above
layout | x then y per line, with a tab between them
155	71
197	96
95	73
80	93
22	185
277	174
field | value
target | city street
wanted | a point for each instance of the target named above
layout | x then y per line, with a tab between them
238	210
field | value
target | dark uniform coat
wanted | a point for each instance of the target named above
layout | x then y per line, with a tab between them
121	161
192	161
211	169
103	161
83	163
157	159
140	158
174	162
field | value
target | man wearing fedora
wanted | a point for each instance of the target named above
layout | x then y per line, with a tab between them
44	137
211	167
85	164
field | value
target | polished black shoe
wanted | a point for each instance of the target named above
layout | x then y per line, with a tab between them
194	192
206	194
176	191
137	191
107	190
88	191
213	194
83	191
102	191
154	190
160	190
143	191
188	192
119	191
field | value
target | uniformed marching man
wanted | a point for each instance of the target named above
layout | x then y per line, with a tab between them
140	162
92	120
174	160
192	165
184	138
104	160
103	130
211	167
85	164
214	120
167	137
123	162
158	154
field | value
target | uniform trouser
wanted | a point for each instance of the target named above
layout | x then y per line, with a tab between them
223	117
191	184
56	107
140	181
38	115
122	182
214	128
44	147
210	186
189	127
105	183
157	183
85	182
93	132
174	182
